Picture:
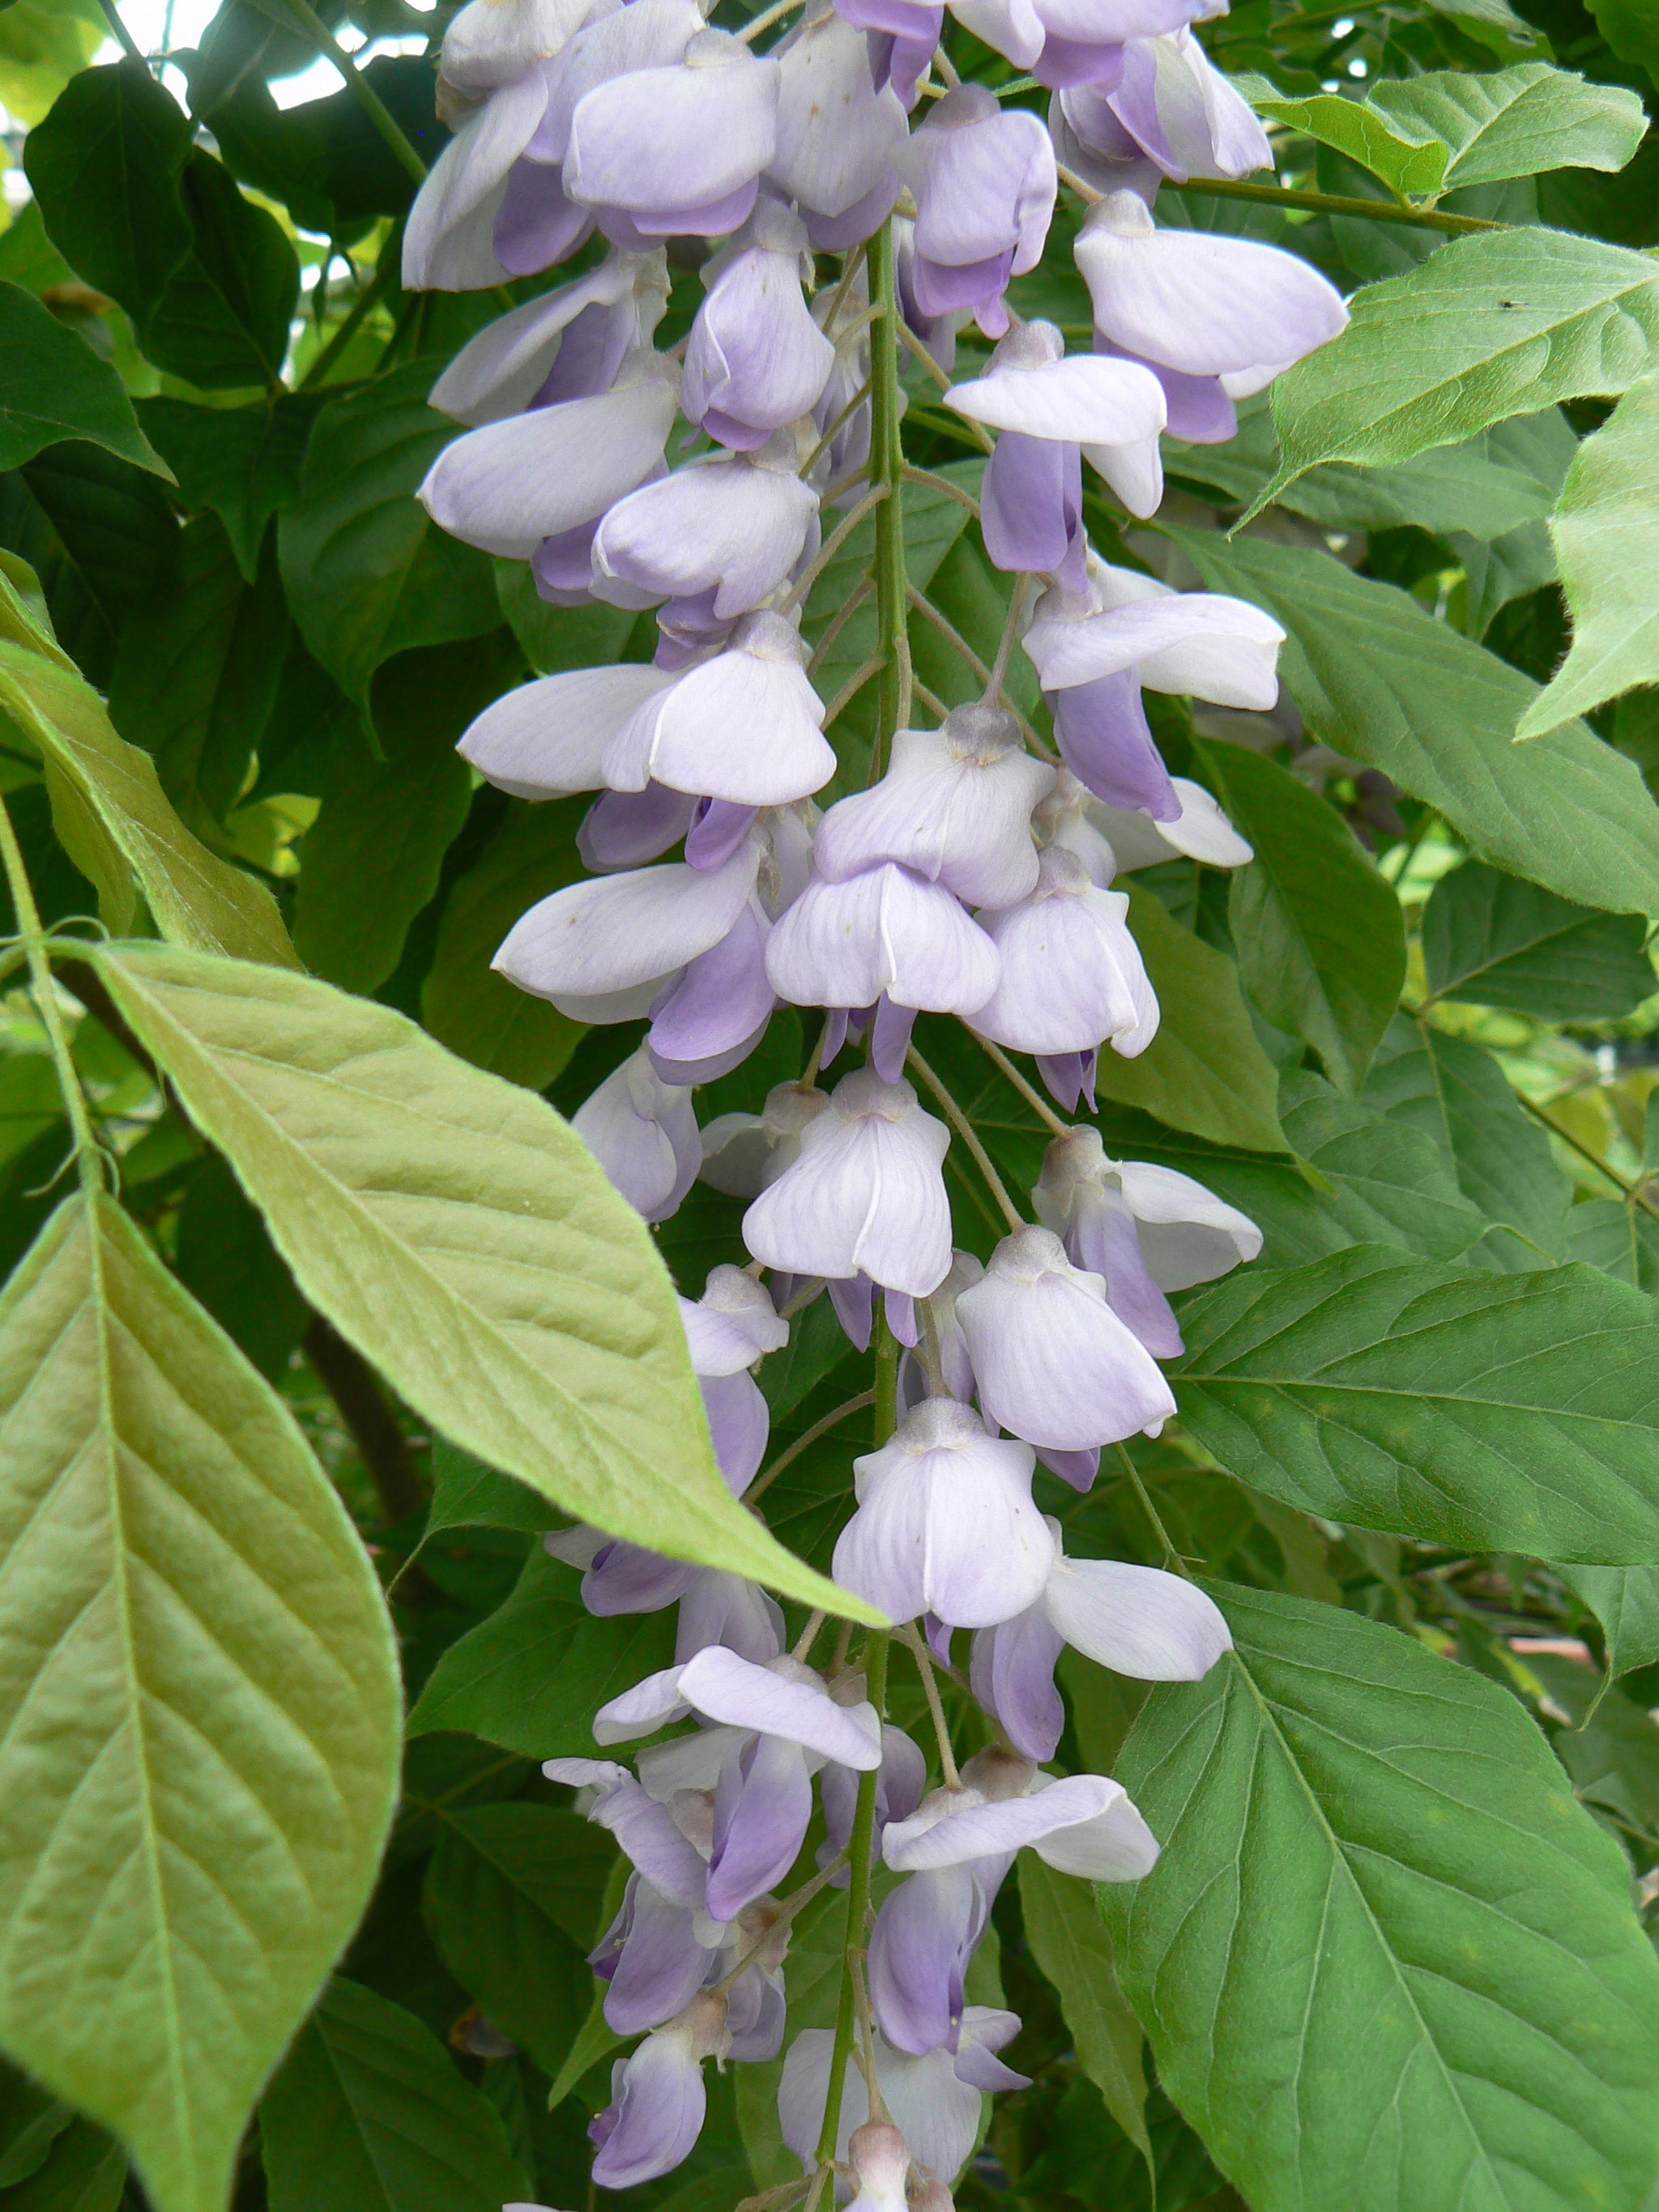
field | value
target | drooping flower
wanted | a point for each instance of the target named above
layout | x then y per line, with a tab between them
658	2100
903	35
732	526
1053	1362
935	2100
984	181
567	344
1064	42
756	360
1216	318
1168	113
864	1195
945	1523
1111	839
643	1132
1072	974
838	137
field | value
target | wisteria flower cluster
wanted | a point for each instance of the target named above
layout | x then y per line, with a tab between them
973	876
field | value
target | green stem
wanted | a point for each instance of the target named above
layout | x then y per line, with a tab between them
969	1136
1634	1194
1226	188
366	301
134	54
860	1851
1172	1558
887	469
89	1160
379	115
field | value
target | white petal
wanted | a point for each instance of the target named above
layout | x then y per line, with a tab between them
885	930
1201	643
921	1843
649	1706
500	371
439	253
726	1688
617	931
837	137
1087	400
1118	1847
1134	470
726	524
1136	1620
744	726
549	737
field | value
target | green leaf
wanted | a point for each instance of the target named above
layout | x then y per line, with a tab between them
1502	569
464	1003
1411	161
194	684
555	639
1617	1235
198	1707
1629	28
1384	1960
372	861
43	44
84	2170
1458	1096
1456	1405
1625	1600
370	2114
1514	124
1069	1941
224	1257
118	537
512	1898
104	167
223	320
467	1494
1321	945
595	2040
1493	940
1494	24
243	462
1487	327
367	573
1607	541
1204	1071
1382	682
56	388
532	1676
117	823
1389	1183
459	1233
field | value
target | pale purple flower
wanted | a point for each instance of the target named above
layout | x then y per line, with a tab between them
1081	1824
954	807
710	1019
903	34
643	1132
756	360
1202	644
1167	113
955	1373
984	181
1200	305
745	727
624	830
900	1783
1139	1621
645	1828
925	1935
733	526
566	344
726	1610
937	332
1054	1363
1145	1229
1110	840
743	1152
1070	41
838	137
658	2100
548	738
1072	976
1049	410
935	2100
679	148
945	1522
650	1959
865	1195
607	940
506	487
449	239
490	42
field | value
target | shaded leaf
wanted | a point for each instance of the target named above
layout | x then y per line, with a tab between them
57	388
532	1676
225	1258
1321	945
84	2170
467	1494
1493	940
198	1707
243	462
1361	1841
116	821
460	1235
222	322
1389	1182
1625	1600
1607	541
1069	1941
1383	683
370	2114
1410	1398
367	573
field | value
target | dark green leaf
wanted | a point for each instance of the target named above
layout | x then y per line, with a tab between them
366	574
532	1677
1389	1182
84	2171
56	388
243	462
512	1898
1625	1600
372	862
1497	941
225	1257
113	523
104	166
1618	1235
464	1004
223	323
194	681
1383	682
467	1494
1458	1096
368	2113
322	158
1069	1941
1322	946
1503	1412
1384	1960
557	638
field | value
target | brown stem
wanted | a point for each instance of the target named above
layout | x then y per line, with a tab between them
381	1444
